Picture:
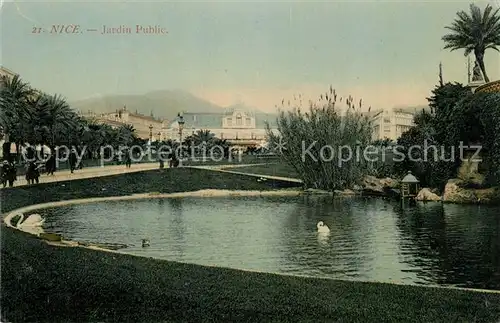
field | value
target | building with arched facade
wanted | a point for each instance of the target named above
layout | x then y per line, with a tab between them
238	126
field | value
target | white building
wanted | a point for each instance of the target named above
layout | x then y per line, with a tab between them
146	127
238	126
391	124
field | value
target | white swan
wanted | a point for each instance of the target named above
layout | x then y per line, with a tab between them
34	220
322	228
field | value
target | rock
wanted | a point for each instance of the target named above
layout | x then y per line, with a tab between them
371	183
455	193
459	191
426	194
374	185
389	182
488	195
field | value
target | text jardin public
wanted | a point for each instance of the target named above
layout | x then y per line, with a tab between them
122	29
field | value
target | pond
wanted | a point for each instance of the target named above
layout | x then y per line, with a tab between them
371	239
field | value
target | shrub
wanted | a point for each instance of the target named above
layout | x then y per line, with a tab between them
324	145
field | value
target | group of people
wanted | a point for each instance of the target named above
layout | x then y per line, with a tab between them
34	168
8	173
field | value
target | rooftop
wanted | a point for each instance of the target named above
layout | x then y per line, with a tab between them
410	179
214	120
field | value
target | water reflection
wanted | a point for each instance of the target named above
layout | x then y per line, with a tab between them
369	239
177	228
452	244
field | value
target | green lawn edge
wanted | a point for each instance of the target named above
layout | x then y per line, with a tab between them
45	283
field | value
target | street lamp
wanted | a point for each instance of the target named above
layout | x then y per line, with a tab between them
150	133
180	122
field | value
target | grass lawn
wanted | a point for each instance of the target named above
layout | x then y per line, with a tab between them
44	283
245	159
279	169
162	181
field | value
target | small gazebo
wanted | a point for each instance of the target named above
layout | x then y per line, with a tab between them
409	186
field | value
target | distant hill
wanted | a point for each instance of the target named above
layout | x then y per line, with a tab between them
163	104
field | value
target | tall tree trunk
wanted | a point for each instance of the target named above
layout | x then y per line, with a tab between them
480	60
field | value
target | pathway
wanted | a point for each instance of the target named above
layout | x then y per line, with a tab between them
219	168
89	172
98	171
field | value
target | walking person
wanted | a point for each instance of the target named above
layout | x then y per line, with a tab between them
128	159
11	173
72	160
50	165
4	173
161	158
32	173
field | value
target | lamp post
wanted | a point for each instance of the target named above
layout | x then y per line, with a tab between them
150	133
180	122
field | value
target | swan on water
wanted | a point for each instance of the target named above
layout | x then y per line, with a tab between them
323	228
33	220
145	243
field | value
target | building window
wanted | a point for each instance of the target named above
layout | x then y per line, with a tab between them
239	120
386	120
229	122
248	121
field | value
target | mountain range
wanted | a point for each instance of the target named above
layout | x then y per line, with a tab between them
162	104
166	104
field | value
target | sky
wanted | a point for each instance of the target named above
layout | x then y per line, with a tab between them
228	52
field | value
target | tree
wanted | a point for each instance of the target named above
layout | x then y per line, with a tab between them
14	109
322	145
443	103
126	135
201	140
34	117
475	33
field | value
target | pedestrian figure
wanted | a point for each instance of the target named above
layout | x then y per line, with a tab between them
4	173
32	173
169	158
72	160
162	162
128	159
50	165
12	174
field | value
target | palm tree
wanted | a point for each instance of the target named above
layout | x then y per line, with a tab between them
475	33
203	136
15	109
126	135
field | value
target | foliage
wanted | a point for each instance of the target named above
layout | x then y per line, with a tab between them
317	143
488	105
30	116
475	33
458	119
443	104
205	142
386	142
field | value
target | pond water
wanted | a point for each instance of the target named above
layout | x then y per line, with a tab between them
371	239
